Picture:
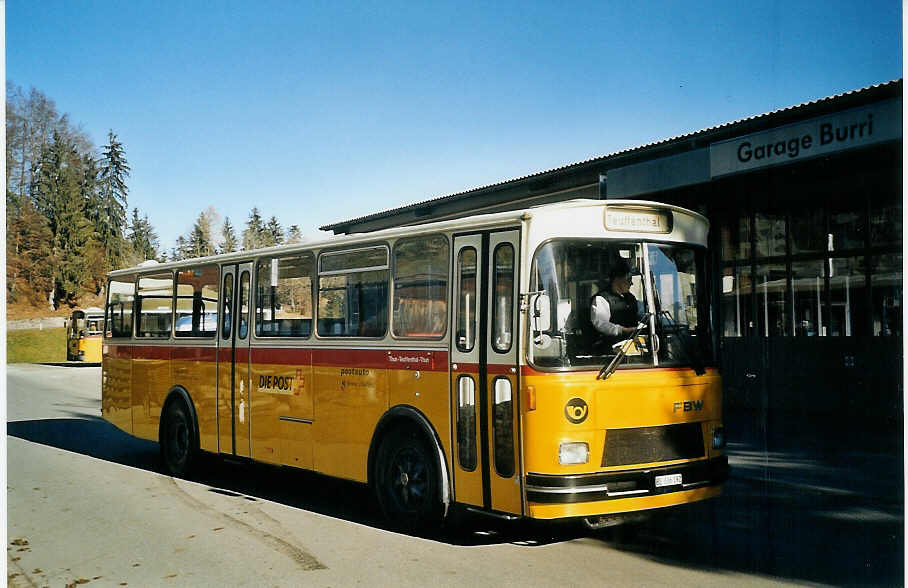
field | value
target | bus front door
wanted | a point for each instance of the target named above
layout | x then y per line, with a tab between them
485	412
233	361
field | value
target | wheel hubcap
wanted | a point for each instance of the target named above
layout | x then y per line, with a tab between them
178	442
409	479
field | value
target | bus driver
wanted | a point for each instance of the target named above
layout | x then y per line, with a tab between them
613	311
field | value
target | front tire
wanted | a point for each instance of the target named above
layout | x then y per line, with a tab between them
407	481
179	445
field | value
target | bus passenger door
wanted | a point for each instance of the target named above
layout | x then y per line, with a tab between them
484	372
233	361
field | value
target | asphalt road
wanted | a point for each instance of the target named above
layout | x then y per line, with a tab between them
88	505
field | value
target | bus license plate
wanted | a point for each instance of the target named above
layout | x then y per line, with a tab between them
669	480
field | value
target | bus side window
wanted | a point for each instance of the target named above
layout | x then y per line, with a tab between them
244	306
154	305
228	306
283	300
503	300
420	287
466	422
353	293
120	296
197	302
466	308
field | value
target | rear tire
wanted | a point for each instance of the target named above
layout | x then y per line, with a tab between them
407	481
179	443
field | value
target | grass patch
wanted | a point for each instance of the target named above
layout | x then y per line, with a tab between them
36	345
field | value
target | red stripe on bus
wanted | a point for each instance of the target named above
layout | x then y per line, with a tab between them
367	358
493	369
382	359
224	354
242	355
497	370
195	353
151	352
119	351
466	368
282	355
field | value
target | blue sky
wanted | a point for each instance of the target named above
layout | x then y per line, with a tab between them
323	111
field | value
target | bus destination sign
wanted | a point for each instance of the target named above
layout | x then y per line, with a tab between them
635	219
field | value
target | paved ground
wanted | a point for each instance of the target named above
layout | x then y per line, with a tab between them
86	502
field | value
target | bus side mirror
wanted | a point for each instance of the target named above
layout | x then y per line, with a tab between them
542	315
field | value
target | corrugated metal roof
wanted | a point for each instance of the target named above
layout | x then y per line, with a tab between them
663	142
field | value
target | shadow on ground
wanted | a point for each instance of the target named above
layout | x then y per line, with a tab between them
756	527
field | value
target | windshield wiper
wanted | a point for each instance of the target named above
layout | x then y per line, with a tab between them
608	369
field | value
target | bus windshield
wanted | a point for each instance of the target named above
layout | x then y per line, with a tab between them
588	296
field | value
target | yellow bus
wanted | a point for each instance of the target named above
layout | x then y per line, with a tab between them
84	329
450	364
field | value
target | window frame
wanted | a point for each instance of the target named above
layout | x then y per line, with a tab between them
137	315
313	294
242	321
132	309
458	307
359	270
471	448
217	303
493	289
393	287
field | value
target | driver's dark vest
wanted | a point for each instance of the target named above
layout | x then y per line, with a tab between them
623	309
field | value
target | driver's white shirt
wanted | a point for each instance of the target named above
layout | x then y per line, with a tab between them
601	315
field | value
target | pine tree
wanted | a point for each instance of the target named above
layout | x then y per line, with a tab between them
230	241
253	233
142	238
149	241
133	236
273	233
294	235
89	189
180	249
199	242
113	194
57	192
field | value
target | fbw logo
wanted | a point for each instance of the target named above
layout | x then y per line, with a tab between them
687	405
576	410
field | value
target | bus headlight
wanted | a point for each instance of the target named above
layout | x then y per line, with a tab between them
573	453
718	437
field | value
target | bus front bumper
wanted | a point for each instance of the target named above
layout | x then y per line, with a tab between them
557	496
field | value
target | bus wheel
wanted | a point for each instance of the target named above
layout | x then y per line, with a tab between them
407	481
178	447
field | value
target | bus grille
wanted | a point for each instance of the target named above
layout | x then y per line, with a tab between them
652	444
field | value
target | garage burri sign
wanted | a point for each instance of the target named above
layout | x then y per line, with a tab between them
825	135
